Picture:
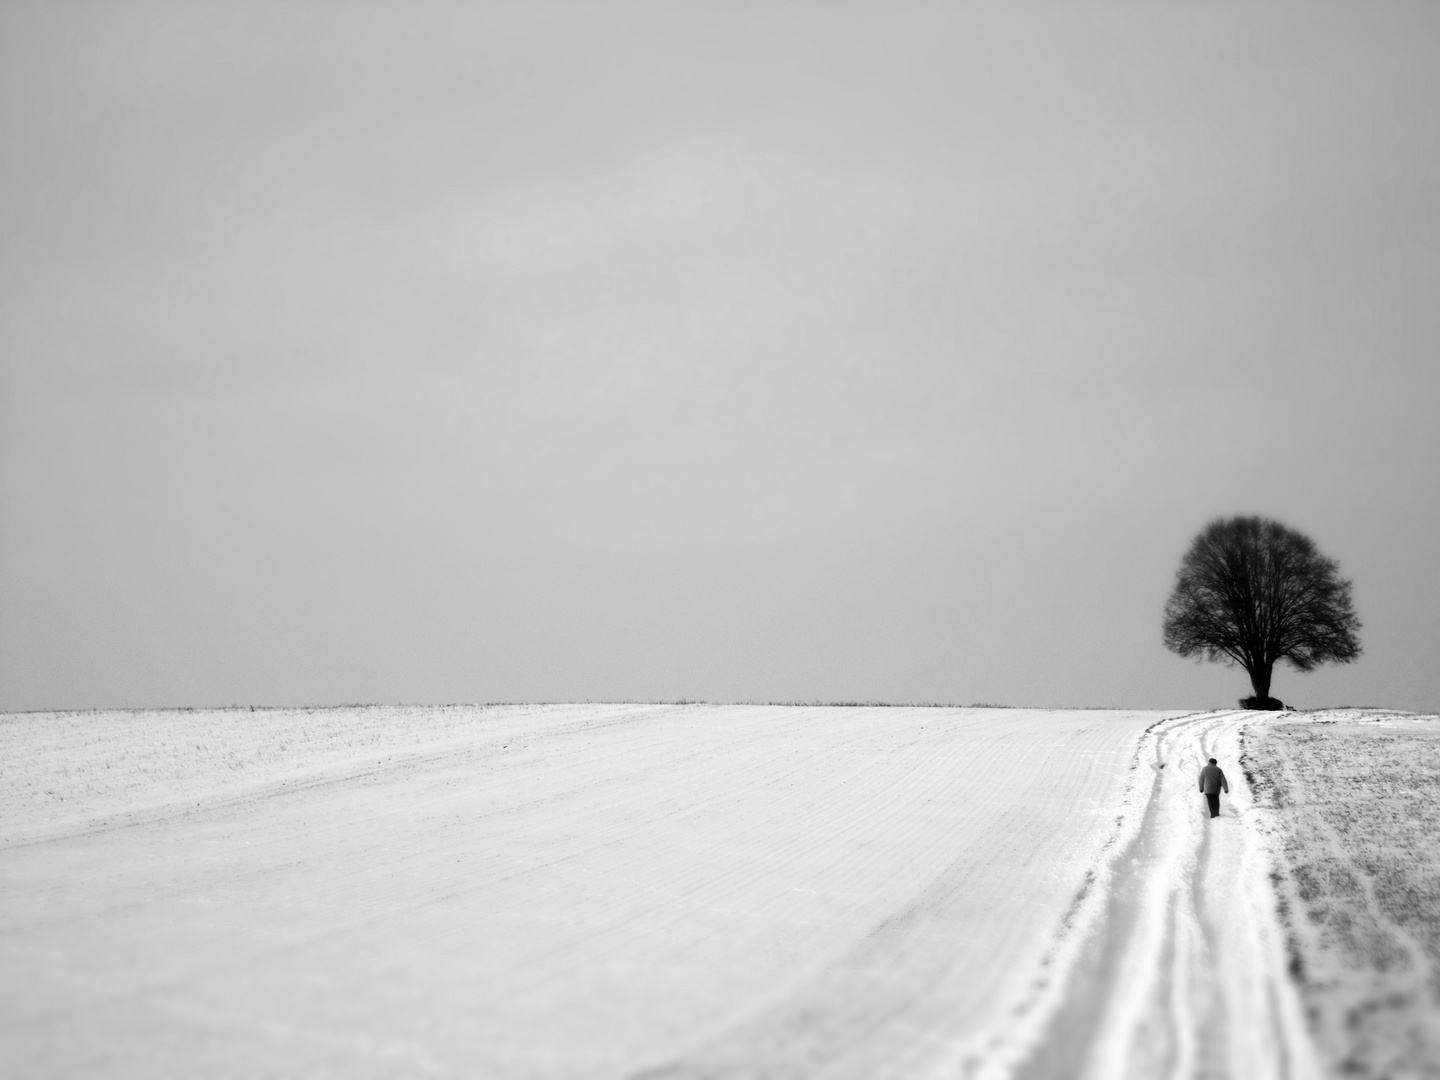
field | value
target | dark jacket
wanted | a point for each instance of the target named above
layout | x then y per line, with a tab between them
1212	780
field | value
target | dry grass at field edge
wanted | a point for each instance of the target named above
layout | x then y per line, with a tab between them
1357	797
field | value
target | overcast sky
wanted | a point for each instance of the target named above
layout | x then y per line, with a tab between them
436	353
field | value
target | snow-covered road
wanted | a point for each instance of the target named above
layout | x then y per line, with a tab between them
1184	975
635	891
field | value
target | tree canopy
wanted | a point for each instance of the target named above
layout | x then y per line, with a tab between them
1253	592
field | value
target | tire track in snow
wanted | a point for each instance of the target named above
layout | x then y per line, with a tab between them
1185	975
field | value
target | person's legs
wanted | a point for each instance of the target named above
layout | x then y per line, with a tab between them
1214	801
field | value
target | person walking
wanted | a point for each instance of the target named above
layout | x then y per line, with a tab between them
1212	782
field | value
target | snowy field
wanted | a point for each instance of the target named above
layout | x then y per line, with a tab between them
653	891
1358	795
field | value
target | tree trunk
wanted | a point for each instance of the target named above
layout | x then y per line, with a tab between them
1260	680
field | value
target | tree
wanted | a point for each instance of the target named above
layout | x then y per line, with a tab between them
1253	592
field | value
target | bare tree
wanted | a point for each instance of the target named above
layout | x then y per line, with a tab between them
1252	592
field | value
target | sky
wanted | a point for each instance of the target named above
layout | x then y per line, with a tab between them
730	352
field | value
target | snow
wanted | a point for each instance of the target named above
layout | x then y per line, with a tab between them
1354	797
629	890
1187	964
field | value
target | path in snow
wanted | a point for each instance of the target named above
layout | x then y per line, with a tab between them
1184	974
